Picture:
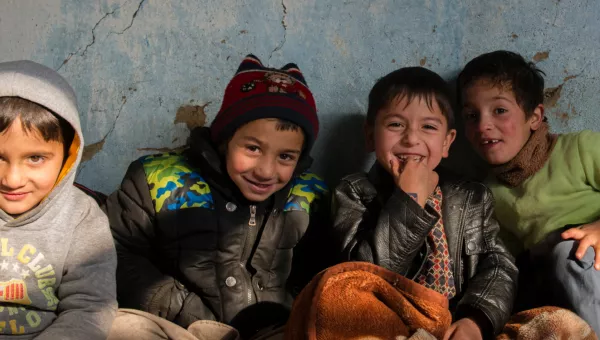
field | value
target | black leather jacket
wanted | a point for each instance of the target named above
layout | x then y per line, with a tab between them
374	221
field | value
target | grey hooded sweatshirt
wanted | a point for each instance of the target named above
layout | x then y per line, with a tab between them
57	261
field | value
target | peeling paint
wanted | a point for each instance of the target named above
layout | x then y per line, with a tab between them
423	61
541	56
566	79
340	45
514	36
89	151
192	115
552	95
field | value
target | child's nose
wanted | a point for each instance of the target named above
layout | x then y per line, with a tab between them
485	124
12	178
265	169
410	137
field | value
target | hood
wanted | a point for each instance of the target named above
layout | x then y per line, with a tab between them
44	86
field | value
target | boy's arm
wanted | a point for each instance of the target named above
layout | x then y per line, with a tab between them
588	234
87	293
313	253
141	285
490	294
390	239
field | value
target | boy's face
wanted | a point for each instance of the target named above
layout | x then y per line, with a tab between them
495	123
29	167
261	159
405	129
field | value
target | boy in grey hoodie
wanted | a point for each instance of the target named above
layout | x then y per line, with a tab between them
57	258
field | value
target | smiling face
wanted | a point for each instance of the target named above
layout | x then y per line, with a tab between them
261	157
29	168
410	129
495	124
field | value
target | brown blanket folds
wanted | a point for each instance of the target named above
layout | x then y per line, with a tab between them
547	323
359	300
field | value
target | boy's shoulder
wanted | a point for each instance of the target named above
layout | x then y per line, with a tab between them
306	190
174	183
452	184
359	185
584	139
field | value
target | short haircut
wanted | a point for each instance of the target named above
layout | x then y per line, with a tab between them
510	71
35	117
410	83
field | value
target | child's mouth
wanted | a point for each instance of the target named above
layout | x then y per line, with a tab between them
489	143
406	157
14	196
259	188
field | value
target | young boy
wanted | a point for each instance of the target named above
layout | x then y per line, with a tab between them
403	216
57	257
209	233
543	184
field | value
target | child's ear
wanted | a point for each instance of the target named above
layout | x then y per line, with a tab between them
369	137
450	137
537	117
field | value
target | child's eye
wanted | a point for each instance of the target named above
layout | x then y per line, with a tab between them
394	125
287	157
252	148
36	159
500	111
429	127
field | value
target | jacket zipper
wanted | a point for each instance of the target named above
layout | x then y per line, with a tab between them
457	271
252	221
247	249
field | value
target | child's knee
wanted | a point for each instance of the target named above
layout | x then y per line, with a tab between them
563	256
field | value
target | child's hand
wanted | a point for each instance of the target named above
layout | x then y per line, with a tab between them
463	329
414	178
588	235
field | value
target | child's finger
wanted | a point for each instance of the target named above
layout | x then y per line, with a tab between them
395	165
573	233
584	244
597	257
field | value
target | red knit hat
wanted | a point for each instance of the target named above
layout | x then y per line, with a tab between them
257	92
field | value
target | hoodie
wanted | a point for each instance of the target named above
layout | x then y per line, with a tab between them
57	261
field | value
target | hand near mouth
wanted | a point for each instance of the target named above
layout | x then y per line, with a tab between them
414	178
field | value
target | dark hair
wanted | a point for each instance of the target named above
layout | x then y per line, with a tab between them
510	71
286	125
35	117
410	83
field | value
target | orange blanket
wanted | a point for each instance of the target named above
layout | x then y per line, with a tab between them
360	300
547	323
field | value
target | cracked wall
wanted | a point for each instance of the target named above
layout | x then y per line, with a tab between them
146	71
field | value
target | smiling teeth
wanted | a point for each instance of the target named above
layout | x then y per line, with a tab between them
404	158
491	141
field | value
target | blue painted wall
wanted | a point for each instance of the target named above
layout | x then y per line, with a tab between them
146	71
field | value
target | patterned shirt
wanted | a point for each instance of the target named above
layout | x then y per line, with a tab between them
437	271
